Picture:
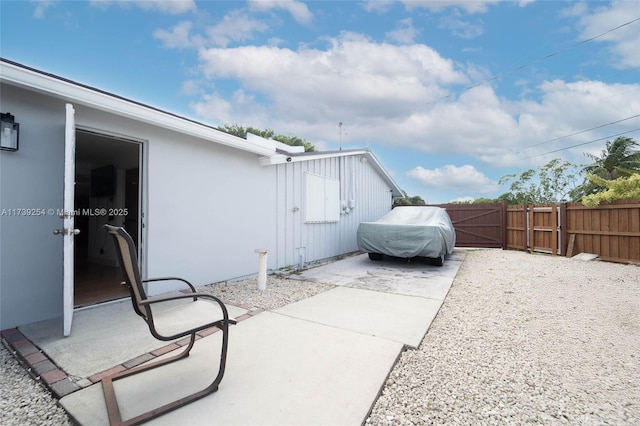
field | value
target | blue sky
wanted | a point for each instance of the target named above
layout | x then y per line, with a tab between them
397	74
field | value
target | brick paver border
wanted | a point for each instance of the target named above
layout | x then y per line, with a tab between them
60	384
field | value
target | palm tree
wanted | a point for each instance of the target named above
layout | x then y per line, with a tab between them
617	160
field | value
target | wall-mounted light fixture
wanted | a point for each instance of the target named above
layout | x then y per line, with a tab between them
9	132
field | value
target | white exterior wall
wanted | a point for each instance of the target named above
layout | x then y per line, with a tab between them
210	208
206	207
299	242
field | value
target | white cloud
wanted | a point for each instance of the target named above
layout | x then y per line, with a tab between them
383	93
191	88
236	26
578	8
353	77
379	6
405	33
438	5
464	178
298	10
41	7
173	7
460	28
569	107
624	41
214	107
178	37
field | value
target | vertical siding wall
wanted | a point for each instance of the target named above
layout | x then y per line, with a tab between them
299	242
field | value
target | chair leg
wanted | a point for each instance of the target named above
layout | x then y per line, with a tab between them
113	410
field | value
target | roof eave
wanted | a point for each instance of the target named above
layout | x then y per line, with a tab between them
75	93
293	158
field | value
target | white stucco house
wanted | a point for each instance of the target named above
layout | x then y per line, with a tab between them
198	201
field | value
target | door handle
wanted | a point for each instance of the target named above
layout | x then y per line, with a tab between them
65	232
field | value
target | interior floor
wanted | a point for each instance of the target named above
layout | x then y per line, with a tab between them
95	283
107	175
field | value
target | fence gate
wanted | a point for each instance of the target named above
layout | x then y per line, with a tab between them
545	229
478	225
536	228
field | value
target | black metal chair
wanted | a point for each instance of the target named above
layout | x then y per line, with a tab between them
169	318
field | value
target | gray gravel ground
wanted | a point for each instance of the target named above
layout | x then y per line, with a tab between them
525	339
278	293
520	339
23	401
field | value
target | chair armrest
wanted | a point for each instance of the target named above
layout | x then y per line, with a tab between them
149	280
161	299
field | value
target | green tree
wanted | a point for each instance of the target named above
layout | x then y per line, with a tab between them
618	159
406	200
485	201
481	200
623	188
556	181
240	131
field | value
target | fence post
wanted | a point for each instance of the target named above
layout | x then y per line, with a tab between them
563	229
554	230
532	234
503	217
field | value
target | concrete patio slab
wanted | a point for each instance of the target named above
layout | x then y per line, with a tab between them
102	336
321	360
396	317
280	371
390	275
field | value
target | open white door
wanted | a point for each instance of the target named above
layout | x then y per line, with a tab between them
68	230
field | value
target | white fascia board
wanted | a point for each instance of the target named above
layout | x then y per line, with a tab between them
271	144
275	144
283	158
274	159
81	95
291	149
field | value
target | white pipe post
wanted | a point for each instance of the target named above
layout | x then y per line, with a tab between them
262	269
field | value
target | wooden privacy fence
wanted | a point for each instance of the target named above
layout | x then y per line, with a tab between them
612	231
536	228
478	225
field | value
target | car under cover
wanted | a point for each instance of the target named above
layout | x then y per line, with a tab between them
409	231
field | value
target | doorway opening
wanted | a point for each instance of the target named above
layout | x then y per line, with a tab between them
108	190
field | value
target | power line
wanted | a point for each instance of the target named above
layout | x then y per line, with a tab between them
585	143
577	133
543	58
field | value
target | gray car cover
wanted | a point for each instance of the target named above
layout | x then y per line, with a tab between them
409	231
